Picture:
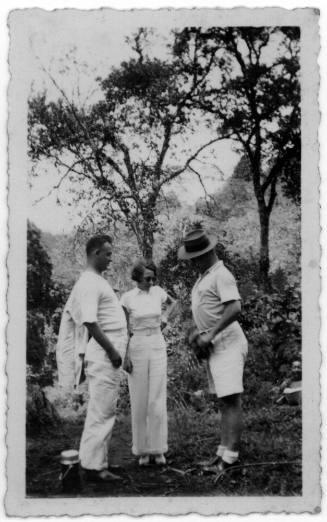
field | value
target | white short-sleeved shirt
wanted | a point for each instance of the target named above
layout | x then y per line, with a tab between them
144	308
93	300
213	288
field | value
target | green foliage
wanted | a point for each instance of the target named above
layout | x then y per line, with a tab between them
234	218
35	342
271	321
39	268
44	301
120	152
256	102
40	413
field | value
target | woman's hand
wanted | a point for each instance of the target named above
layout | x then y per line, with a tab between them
163	325
128	365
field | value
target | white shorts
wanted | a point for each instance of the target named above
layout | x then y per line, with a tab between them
226	362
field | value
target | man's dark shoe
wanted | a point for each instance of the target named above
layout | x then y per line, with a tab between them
214	461
210	466
223	468
101	476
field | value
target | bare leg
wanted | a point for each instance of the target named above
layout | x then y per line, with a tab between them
223	427
231	424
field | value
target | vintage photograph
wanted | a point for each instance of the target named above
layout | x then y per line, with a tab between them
164	185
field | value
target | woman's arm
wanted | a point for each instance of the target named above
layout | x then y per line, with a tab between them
171	305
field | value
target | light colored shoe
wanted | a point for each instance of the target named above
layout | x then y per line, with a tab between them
160	460
144	460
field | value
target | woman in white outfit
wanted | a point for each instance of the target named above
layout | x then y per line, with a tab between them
146	363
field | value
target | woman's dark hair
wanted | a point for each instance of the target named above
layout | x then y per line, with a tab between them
96	242
140	266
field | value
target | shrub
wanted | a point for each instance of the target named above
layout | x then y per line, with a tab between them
40	413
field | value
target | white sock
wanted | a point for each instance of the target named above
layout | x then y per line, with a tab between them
230	456
221	450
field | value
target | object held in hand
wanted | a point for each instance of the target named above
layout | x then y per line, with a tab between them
201	351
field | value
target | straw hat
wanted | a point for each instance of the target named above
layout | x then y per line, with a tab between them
69	457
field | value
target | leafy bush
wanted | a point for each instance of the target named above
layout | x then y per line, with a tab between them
35	341
40	413
45	300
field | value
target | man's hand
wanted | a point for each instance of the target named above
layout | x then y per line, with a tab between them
115	359
128	365
200	344
193	335
204	341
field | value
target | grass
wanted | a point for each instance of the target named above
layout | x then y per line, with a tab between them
271	435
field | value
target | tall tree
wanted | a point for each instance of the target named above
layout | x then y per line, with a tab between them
254	96
123	150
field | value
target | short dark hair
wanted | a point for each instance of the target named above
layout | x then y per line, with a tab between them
97	242
140	266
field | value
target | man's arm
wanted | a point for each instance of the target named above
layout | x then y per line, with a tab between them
231	313
128	366
101	338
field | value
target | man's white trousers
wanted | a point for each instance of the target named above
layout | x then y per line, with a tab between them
103	381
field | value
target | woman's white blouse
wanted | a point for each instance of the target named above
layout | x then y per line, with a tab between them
144	308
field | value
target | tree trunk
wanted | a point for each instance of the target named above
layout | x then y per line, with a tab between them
147	239
264	263
147	248
149	226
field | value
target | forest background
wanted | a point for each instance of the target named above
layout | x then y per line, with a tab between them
159	117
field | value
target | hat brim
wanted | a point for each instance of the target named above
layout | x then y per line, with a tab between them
183	254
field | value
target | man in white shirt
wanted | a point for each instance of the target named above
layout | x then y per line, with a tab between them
94	305
215	307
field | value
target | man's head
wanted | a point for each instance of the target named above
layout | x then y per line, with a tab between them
198	248
99	252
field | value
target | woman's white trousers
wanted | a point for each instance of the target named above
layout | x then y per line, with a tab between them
148	393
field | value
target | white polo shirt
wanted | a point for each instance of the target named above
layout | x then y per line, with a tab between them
212	289
93	300
144	308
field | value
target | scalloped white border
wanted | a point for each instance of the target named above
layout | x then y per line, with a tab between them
16	504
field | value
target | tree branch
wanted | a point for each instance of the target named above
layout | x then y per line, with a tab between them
190	159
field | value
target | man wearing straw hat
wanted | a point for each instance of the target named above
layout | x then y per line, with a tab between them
216	305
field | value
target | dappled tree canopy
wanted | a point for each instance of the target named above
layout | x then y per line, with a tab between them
255	99
122	150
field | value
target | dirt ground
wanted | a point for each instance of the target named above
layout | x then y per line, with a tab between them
182	475
43	468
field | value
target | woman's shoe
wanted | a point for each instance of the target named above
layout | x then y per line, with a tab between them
144	460
160	460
